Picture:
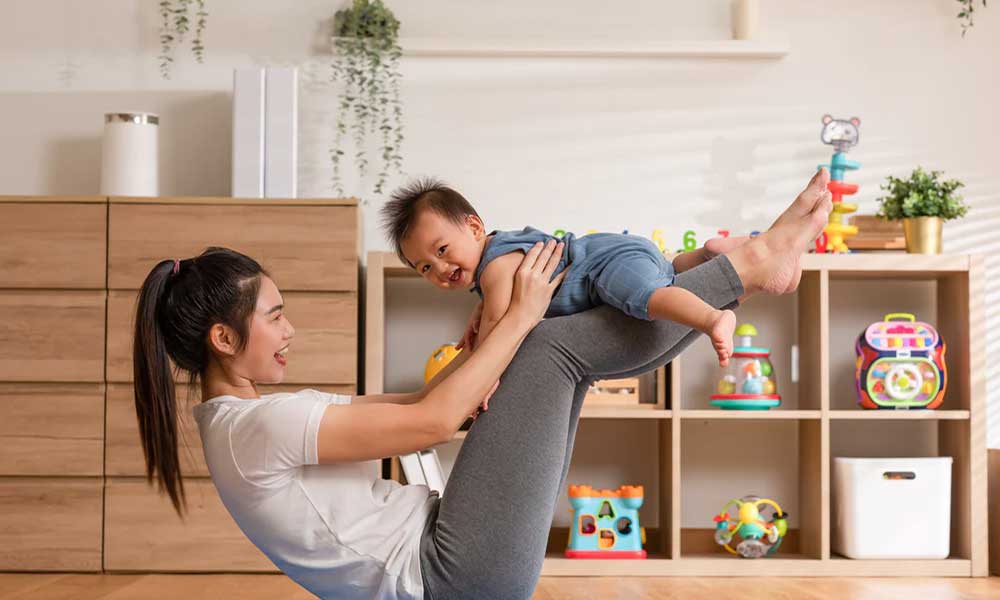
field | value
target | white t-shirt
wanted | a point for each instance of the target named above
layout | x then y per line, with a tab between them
337	530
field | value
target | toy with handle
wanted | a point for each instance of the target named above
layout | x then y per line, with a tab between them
900	364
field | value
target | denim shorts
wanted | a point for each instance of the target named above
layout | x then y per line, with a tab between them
622	271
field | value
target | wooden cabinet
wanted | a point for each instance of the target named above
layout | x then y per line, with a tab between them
52	429
52	335
50	523
71	464
53	294
303	247
53	244
143	533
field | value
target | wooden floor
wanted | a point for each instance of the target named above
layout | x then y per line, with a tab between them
278	587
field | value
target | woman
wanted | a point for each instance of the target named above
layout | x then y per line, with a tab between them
288	466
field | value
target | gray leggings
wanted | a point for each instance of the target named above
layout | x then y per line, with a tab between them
487	537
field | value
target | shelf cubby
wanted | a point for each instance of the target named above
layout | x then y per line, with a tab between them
916	438
778	320
728	459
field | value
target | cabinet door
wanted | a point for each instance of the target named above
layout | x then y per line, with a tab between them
303	247
143	533
324	350
51	429
50	524
46	245
50	335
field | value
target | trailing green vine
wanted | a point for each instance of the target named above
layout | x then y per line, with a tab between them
968	7
175	23
366	64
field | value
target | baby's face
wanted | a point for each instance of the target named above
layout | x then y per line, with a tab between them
445	253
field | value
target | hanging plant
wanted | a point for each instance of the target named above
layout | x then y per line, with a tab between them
366	65
175	24
965	16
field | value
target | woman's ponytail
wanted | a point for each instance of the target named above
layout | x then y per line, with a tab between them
179	302
155	404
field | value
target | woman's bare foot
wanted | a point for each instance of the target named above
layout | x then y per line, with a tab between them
772	261
721	332
723	245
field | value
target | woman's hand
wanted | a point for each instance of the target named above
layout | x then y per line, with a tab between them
471	329
532	286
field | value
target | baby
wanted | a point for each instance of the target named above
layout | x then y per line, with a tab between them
438	233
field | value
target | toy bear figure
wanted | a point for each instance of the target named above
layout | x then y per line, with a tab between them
842	134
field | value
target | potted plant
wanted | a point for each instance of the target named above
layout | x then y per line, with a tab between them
366	64
923	202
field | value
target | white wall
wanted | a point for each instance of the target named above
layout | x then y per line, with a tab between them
570	143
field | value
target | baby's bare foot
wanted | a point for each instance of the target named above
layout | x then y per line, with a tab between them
721	332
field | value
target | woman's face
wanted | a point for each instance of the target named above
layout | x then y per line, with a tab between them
265	357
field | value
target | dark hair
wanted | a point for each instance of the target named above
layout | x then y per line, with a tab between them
173	316
406	203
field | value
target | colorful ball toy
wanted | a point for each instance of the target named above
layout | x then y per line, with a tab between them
758	536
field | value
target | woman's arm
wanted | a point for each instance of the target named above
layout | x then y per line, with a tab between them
367	431
355	432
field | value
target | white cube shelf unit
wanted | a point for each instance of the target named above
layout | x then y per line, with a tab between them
789	449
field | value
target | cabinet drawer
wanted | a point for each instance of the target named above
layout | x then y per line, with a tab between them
52	335
124	450
53	245
51	429
324	350
311	248
143	533
50	524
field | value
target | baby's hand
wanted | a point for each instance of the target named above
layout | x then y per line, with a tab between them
485	404
471	329
721	331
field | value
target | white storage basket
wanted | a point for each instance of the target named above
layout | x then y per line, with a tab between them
891	507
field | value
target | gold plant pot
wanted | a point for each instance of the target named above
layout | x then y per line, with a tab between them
923	235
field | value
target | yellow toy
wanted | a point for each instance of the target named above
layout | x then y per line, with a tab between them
439	359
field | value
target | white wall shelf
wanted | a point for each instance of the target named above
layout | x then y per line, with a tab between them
736	49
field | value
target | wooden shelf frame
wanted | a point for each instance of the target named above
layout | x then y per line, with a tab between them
960	429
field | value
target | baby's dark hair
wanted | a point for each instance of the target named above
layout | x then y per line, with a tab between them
406	204
178	304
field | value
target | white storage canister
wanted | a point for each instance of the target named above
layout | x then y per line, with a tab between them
129	156
892	507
